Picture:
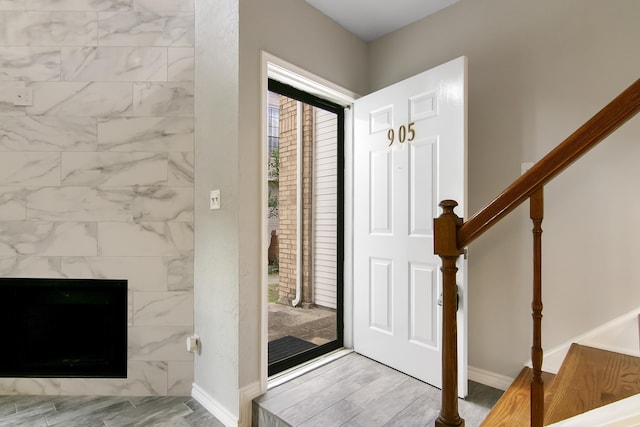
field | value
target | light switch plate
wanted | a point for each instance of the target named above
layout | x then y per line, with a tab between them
193	343
214	199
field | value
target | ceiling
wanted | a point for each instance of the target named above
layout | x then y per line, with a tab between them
370	19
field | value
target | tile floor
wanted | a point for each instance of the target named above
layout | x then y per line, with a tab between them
350	391
103	411
356	391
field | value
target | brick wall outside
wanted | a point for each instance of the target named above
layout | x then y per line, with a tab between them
287	202
288	221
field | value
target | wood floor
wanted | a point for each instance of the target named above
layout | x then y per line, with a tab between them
588	378
83	411
356	391
513	408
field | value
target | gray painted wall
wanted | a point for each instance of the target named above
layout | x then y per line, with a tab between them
537	71
229	156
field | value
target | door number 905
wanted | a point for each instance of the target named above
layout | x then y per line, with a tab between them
403	132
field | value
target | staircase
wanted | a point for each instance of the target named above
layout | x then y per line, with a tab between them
452	234
589	378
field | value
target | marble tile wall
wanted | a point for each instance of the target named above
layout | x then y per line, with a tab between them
96	174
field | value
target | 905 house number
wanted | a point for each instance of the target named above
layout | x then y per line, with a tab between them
403	131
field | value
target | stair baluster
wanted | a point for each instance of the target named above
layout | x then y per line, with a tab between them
445	230
452	235
536	210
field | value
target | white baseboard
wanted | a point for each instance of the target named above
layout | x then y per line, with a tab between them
623	413
619	335
213	406
491	379
247	394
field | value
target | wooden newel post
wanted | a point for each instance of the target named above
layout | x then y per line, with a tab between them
536	204
445	244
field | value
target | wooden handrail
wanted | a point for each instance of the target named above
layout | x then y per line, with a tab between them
452	235
607	120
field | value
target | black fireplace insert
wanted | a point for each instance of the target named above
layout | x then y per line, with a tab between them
63	328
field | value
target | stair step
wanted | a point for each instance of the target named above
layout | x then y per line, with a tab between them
357	391
513	407
590	378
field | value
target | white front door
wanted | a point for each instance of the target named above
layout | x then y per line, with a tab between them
409	154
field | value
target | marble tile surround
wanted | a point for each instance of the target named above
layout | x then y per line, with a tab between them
96	176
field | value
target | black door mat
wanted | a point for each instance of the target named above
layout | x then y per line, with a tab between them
281	348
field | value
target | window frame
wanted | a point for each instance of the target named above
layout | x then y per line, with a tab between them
319	102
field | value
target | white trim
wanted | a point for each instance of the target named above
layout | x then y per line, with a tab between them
285	72
300	370
264	307
297	77
213	406
623	413
619	335
347	266
554	357
247	394
491	379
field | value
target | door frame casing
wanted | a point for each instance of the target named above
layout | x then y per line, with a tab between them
285	72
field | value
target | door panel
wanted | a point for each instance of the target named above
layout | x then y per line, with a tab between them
381	311
409	154
422	188
424	293
381	192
